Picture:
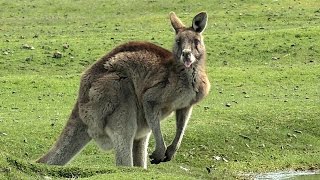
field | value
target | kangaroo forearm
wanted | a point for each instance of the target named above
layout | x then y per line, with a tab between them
182	119
160	144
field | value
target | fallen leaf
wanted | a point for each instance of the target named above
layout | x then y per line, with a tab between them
183	168
225	160
297	131
262	145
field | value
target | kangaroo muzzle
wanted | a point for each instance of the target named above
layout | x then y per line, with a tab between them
187	57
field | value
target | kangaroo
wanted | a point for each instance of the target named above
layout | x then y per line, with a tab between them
124	96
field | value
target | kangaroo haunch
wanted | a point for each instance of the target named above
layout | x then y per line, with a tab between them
124	96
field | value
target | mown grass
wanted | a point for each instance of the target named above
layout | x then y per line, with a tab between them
262	113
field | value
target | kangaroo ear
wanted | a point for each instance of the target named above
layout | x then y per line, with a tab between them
199	22
176	22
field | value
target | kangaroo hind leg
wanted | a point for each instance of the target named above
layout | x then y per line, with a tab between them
72	139
121	129
139	151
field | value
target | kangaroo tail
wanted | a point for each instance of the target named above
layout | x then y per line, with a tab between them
72	139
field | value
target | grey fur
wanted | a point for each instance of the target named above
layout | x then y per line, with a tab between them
124	96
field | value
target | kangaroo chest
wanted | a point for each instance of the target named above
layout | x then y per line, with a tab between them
179	93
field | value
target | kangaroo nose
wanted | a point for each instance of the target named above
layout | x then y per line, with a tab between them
186	52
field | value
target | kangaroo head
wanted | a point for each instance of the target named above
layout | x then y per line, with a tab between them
189	46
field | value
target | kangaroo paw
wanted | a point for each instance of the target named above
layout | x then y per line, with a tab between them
157	157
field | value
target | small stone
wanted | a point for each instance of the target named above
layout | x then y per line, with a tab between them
66	46
27	46
217	158
57	55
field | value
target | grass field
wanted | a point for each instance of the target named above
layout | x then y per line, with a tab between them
262	114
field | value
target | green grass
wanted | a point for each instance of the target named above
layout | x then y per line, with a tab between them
263	62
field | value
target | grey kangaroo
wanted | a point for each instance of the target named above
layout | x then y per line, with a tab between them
124	96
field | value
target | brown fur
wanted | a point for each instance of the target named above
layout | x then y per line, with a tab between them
125	94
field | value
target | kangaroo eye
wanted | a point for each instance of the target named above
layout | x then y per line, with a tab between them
178	41
196	42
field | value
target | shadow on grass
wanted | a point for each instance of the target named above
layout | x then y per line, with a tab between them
57	171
